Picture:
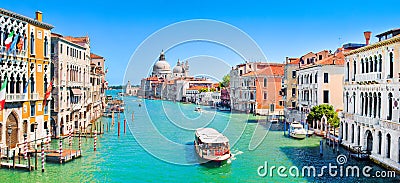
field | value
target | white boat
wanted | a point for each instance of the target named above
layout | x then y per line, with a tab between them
211	145
297	131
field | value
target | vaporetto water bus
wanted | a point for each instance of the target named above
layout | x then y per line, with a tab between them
211	145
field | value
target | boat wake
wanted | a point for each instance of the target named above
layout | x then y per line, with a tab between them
234	154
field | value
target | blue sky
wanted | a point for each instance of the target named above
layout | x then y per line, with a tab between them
280	28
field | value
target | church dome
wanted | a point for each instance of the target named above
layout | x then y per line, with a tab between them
177	69
161	64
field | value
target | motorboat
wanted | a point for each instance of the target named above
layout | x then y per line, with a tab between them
210	145
297	131
197	109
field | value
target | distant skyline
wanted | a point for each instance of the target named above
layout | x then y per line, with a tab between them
281	29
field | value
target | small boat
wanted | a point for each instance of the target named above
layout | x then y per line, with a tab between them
274	120
210	145
197	109
223	108
297	131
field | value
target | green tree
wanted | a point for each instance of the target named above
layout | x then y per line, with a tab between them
317	112
225	81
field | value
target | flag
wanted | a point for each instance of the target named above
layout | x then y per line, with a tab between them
9	40
20	44
14	43
3	94
48	92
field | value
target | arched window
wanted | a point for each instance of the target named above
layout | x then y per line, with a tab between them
371	65
388	141
32	43
379	105
354	102
370	104
362	65
352	133
380	63
316	77
391	65
347	71
362	103
379	142
375	105
347	101
45	46
390	103
354	70
366	65
375	64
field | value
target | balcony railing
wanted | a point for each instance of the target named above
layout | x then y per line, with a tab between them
390	125
366	120
34	96
14	52
373	76
16	97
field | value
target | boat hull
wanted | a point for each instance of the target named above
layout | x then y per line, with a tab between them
298	135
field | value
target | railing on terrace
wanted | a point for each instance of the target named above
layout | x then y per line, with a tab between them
16	97
390	125
372	76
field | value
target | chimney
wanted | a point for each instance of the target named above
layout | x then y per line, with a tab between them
39	16
367	35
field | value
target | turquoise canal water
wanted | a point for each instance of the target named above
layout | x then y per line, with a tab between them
142	155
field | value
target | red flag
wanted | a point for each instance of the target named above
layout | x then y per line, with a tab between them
48	92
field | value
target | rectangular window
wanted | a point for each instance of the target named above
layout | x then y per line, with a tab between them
326	78
52	48
32	128
61	47
326	96
293	91
45	125
293	104
265	82
33	109
67	50
272	107
265	95
294	74
281	103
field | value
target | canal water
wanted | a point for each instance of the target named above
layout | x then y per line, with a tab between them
158	147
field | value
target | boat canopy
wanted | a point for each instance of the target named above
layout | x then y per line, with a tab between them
296	125
210	135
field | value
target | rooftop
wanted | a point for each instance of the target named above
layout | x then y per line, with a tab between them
94	56
25	18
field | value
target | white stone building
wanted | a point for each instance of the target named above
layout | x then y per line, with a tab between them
371	98
71	70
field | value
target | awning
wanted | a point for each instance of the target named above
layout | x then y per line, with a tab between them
76	91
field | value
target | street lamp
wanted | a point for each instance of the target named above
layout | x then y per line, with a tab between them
9	131
35	127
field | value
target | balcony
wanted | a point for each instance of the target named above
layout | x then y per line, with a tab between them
15	52
366	120
368	77
16	97
390	125
34	96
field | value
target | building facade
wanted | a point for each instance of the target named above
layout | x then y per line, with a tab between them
320	80
71	70
255	87
289	89
371	98
25	64
97	98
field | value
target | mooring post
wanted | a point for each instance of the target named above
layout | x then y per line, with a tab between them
124	126
61	150
321	148
14	158
42	146
95	141
25	146
119	126
19	155
29	162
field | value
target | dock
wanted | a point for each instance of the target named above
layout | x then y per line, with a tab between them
66	156
17	166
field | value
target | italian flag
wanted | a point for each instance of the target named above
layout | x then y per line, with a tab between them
9	40
3	94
